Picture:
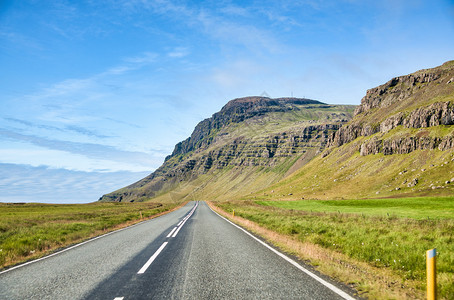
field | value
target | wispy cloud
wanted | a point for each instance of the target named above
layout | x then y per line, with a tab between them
68	128
67	102
96	151
227	32
85	131
33	125
144	58
281	19
130	64
237	74
22	183
20	40
217	23
163	7
234	10
62	88
75	85
178	52
129	124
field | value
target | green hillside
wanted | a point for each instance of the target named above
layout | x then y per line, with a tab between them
400	143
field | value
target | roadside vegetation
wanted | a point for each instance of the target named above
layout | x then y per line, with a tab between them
378	246
31	230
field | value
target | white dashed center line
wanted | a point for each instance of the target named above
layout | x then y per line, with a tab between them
180	225
152	258
173	230
172	233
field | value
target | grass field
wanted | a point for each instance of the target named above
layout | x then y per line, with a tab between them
388	234
416	208
31	230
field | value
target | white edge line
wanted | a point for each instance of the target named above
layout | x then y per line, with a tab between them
294	263
72	247
173	230
152	258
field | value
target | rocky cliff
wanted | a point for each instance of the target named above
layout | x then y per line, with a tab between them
236	111
400	142
420	100
257	136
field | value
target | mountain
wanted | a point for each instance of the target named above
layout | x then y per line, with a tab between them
248	145
400	142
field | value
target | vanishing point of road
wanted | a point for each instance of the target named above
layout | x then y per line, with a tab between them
190	253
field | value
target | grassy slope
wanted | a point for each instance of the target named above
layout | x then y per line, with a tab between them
29	231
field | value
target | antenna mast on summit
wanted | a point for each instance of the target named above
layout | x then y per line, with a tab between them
265	94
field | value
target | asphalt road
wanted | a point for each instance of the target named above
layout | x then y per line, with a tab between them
191	253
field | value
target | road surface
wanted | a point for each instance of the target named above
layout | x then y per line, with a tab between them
191	253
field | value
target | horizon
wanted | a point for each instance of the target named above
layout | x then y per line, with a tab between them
96	95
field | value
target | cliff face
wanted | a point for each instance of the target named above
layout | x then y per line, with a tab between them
236	111
402	87
258	136
400	143
420	100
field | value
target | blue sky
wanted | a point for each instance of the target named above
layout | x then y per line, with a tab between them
95	94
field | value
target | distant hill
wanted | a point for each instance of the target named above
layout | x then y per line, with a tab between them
400	142
248	145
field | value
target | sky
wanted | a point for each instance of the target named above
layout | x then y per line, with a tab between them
95	94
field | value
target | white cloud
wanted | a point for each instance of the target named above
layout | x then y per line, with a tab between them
237	75
35	156
254	38
92	86
21	183
144	58
20	40
73	155
178	52
234	10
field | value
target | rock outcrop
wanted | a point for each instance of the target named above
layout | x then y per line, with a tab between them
397	89
404	145
423	99
236	111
